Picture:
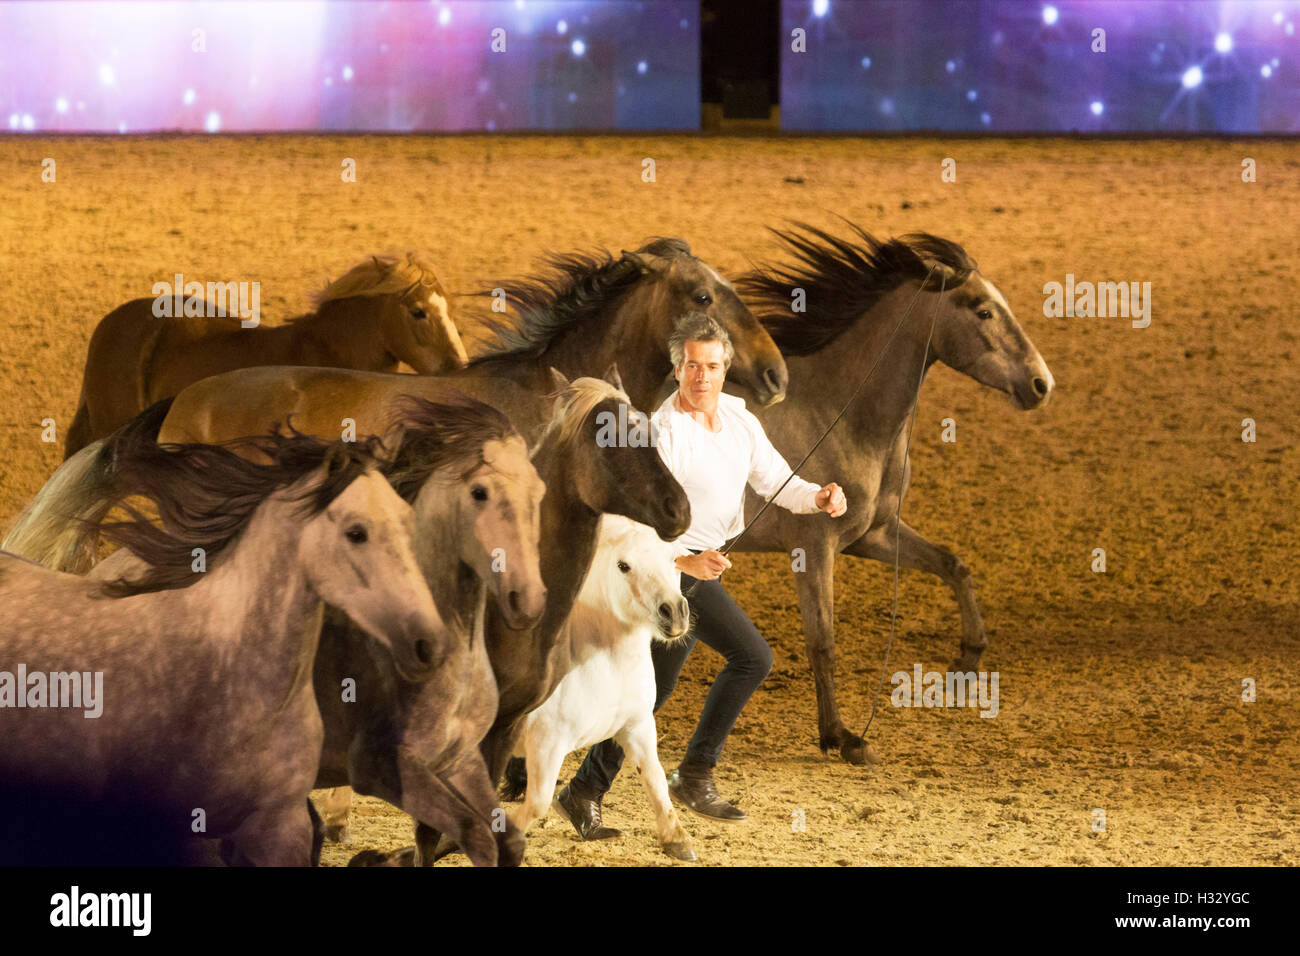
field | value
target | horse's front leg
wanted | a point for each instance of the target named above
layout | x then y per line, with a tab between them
641	743
816	589
470	781
916	553
444	809
272	836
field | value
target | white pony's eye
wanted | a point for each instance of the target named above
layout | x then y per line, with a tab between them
624	567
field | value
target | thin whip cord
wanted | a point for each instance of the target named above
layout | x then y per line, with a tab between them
898	513
921	288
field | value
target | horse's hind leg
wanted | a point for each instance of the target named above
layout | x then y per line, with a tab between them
816	589
334	814
641	743
915	553
317	833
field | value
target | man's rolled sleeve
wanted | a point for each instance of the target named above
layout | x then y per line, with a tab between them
768	470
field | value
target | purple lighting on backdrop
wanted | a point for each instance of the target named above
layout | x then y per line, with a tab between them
348	65
1020	65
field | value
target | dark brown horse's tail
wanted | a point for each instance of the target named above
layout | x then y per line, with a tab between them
56	528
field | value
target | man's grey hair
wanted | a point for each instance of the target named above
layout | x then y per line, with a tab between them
698	327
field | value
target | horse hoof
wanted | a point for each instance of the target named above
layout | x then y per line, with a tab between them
338	834
858	752
681	850
402	857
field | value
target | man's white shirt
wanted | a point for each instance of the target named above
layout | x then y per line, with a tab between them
714	467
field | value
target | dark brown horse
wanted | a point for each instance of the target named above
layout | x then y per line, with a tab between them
857	290
383	311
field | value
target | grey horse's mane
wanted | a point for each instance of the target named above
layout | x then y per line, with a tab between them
842	279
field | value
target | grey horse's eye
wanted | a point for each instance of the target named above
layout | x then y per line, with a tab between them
624	567
357	534
419	313
702	298
478	493
983	314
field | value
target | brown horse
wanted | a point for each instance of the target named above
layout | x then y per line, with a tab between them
385	310
857	292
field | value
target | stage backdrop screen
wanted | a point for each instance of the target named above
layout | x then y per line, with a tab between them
1029	66
448	65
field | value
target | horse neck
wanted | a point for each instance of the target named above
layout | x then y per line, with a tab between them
457	589
568	539
588	348
260	608
343	333
882	407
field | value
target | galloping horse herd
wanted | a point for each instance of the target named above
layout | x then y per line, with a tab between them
330	573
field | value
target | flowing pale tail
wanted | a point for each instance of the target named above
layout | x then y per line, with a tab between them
56	529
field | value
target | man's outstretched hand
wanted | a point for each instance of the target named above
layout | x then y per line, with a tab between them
831	500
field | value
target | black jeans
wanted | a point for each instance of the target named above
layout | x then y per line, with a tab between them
722	625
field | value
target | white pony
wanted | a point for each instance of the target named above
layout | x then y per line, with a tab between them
630	597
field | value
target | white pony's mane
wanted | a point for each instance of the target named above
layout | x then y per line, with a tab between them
574	403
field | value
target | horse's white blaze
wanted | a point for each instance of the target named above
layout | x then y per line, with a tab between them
437	306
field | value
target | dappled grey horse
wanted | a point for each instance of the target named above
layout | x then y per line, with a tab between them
205	644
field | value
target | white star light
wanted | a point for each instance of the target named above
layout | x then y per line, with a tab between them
972	95
950	66
1051	15
1266	71
561	28
348	74
61	105
642	66
1192	77
106	74
29	123
1097	107
866	62
1223	42
444	16
14	120
188	97
578	47
213	122
821	7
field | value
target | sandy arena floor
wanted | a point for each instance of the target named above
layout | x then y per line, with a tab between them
1119	691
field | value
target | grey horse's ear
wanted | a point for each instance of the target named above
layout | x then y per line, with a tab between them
557	376
646	262
611	375
379	265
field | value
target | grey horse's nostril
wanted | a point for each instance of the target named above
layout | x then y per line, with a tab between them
1040	387
670	508
665	611
512	599
424	651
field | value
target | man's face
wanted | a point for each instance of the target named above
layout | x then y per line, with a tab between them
701	374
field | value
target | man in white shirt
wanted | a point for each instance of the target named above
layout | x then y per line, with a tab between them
713	446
